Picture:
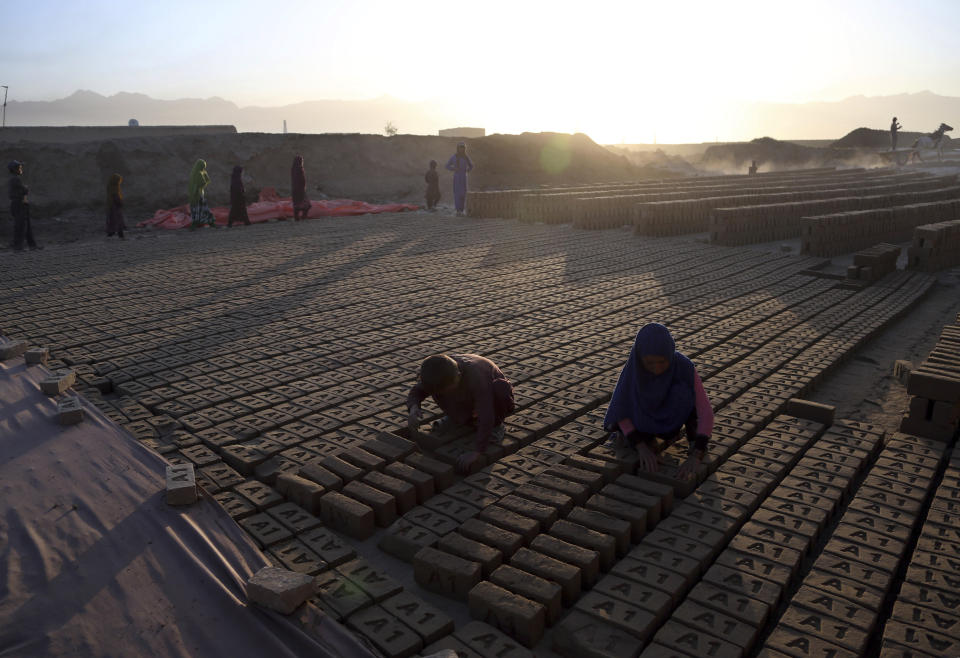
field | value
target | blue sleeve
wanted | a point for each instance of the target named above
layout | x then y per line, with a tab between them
451	163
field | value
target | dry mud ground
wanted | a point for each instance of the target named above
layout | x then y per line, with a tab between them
333	317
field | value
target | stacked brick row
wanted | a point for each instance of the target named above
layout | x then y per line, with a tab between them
934	385
840	602
831	235
755	223
874	263
926	613
935	246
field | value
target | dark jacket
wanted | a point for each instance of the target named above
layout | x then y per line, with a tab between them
16	190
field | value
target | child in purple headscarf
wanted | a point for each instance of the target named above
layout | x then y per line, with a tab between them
298	186
658	393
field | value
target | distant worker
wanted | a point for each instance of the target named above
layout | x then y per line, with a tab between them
298	186
894	127
753	169
460	163
238	200
115	219
200	213
19	208
433	186
472	392
658	392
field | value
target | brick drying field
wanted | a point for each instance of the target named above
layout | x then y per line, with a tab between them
276	359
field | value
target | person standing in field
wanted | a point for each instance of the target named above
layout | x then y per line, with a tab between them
433	186
894	127
200	213
238	202
298	187
460	163
115	219
19	208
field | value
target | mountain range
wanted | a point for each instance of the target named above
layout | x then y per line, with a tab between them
922	111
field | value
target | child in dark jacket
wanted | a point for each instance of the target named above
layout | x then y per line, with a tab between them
433	186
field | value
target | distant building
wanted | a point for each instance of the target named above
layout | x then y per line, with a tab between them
463	132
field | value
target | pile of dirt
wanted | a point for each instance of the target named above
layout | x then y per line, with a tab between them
66	178
870	138
770	154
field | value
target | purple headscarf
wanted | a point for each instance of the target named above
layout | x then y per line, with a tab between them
656	404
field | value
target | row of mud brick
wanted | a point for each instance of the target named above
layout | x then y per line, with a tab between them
831	235
874	263
934	385
755	223
935	246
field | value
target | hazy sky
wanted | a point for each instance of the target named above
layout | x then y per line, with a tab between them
611	69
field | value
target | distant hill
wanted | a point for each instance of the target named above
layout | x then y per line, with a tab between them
870	138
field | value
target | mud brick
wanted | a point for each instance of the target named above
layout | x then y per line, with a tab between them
747	610
718	624
626	616
748	499
917	493
943	532
944	580
362	459
774	468
796	643
792	540
266	530
809	410
532	587
642	595
694	642
816	515
487	557
503	540
515	615
650	504
908	462
472	495
346	471
541	455
387	450
697	551
447	644
404	493
296	556
833	461
926	559
660	491
58	382
439	524
576	491
579	535
927	618
347	515
338	596
591	479
442	474
883	496
563	574
403	539
392	638
490	484
455	508
429	623
561	502
271	469
586	560
221	474
616	528
383	504
279	589
556	447
857	550
293	517
12	349
315	472
608	470
260	495
768	550
761	478
712	512
755	566
443	573
831	565
893	530
331	549
302	491
376	583
741	583
670	583
216	438
947	601
33	356
243	458
857	592
684	527
580	635
511	475
666	558
235	505
832	606
181	485
544	515
504	518
422	482
69	410
840	632
826	502
634	517
900	477
519	463
623	458
906	639
488	641
933	386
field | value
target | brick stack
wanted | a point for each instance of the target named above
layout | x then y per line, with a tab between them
935	246
935	386
831	235
874	263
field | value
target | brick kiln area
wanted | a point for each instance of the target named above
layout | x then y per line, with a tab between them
271	364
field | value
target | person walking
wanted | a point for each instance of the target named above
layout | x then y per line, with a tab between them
200	213
894	127
460	163
115	219
298	187
20	208
238	201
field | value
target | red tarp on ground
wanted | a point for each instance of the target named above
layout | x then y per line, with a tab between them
272	206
